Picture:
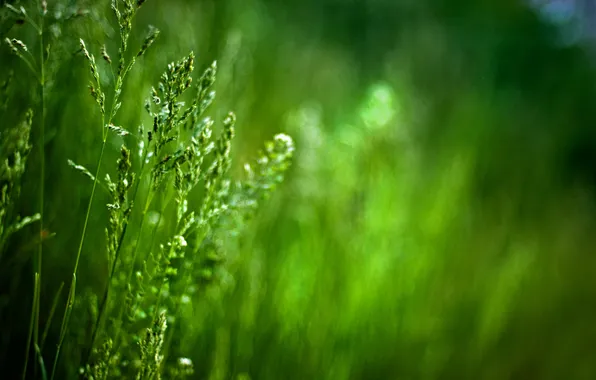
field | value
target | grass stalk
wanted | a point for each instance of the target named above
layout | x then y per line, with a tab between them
31	323
134	257
44	372
65	320
104	301
35	310
104	135
42	163
44	335
67	313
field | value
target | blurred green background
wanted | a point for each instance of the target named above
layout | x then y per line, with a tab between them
438	221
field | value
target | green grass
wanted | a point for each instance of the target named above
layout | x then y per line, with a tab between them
436	221
181	167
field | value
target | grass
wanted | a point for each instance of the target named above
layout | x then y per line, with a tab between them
436	221
182	169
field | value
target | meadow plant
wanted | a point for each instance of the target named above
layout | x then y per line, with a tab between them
180	165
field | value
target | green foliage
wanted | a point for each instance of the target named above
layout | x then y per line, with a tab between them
437	222
179	166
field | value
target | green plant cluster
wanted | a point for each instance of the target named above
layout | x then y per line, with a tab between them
437	223
179	165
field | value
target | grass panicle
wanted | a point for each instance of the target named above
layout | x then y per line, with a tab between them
152	350
183	158
124	10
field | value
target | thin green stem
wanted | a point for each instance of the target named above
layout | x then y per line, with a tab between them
40	361
51	316
104	133
65	320
42	169
88	213
38	28
31	323
35	308
104	301
30	65
67	313
151	245
134	257
176	229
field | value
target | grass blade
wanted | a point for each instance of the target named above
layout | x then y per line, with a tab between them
65	320
51	316
44	373
33	318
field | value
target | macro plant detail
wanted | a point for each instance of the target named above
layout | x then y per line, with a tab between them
178	165
436	221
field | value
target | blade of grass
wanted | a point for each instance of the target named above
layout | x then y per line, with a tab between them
63	328
31	323
67	312
42	164
51	316
44	373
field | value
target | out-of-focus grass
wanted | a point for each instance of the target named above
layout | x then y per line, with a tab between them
436	224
